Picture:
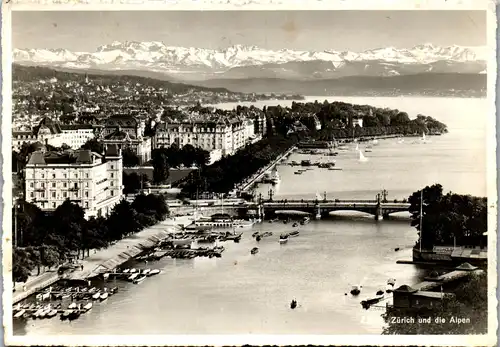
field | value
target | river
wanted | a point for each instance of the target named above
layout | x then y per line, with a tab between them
242	293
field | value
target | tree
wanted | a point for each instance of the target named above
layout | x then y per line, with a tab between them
69	225
448	219
173	155
122	221
133	182
160	166
130	159
96	234
94	145
22	264
188	155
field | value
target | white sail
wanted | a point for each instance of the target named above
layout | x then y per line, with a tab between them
423	136
357	147
318	196
362	157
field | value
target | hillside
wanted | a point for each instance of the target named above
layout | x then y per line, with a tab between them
23	73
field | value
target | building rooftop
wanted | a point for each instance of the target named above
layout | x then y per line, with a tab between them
66	157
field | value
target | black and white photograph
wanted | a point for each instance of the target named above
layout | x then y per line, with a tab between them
250	173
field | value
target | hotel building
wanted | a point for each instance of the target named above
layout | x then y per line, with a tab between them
84	177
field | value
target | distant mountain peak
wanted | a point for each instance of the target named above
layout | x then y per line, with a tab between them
160	57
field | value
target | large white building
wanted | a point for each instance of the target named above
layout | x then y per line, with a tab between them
84	177
76	135
226	136
50	132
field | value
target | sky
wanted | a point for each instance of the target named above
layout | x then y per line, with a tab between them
356	31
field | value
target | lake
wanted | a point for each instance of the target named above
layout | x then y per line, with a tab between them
242	293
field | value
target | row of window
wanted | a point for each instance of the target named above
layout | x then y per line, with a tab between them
65	195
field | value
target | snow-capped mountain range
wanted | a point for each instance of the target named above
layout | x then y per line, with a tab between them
250	61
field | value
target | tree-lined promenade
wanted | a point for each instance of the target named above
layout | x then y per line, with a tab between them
50	239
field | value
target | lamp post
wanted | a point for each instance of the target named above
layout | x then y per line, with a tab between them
384	195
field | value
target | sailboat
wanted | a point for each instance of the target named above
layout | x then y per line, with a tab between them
362	158
357	147
424	139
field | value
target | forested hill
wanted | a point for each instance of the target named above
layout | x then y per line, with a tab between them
22	73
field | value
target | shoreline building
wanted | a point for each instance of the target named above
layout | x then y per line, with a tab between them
221	137
89	179
126	131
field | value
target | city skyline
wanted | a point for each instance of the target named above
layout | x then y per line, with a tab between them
337	30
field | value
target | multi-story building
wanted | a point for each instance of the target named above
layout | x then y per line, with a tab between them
89	179
76	135
47	132
226	136
50	132
126	131
205	135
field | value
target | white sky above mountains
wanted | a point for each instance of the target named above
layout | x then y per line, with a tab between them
301	30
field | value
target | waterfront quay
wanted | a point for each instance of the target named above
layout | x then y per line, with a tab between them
116	254
248	184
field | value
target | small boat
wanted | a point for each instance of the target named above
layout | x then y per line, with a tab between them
72	306
126	271
37	313
283	238
368	150
305	221
132	277
295	224
368	302
139	279
19	314
113	290
74	315
51	313
133	271
87	307
254	250
255	234
258	238
391	281
104	296
293	304
66	314
145	272
298	172
294	233
154	272
96	296
267	234
380	292
355	290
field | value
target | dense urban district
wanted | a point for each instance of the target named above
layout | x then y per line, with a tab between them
94	157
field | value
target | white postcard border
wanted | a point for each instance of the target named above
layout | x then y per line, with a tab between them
242	5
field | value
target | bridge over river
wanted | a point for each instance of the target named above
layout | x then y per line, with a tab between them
322	208
319	208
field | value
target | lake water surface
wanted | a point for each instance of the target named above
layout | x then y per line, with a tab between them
242	293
